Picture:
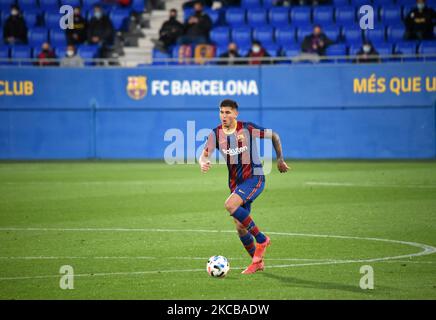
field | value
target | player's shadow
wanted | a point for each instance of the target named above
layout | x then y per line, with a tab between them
302	283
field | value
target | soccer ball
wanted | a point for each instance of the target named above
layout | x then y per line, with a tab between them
217	266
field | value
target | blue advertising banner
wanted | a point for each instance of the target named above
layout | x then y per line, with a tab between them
364	85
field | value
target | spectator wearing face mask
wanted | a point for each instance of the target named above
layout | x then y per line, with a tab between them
46	56
100	29
367	54
15	29
257	52
71	59
169	32
77	35
197	27
231	55
420	22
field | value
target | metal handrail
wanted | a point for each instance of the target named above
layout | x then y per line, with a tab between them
123	61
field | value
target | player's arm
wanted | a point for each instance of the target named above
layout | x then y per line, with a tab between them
204	161
274	136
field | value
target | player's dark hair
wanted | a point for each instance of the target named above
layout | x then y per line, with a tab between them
229	103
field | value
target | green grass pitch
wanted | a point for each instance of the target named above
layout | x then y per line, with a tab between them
144	230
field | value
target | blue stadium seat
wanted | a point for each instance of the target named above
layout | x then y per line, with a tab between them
332	32
52	19
220	35
256	17
395	33
250	4
27	4
345	15
338	3
406	2
187	12
264	34
120	18
220	50
235	17
6	4
352	34
73	3
49	5
58	38
272	49
375	35
88	52
390	14
268	3
88	4
428	47
279	16
157	54
138	5
336	50
383	2
31	19
214	15
359	3
4	54
291	50
285	35
406	10
323	15
21	52
384	49
301	15
242	36
406	48
303	31
60	51
37	36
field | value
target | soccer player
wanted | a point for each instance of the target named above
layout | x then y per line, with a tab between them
236	141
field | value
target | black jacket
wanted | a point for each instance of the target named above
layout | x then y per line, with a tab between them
306	46
201	28
15	26
101	28
419	25
230	61
80	26
171	28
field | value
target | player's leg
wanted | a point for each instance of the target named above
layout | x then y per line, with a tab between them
246	238
234	206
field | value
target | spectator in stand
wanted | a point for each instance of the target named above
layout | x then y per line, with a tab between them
257	52
420	22
46	56
100	28
15	29
71	59
197	27
231	55
169	32
316	43
77	35
367	54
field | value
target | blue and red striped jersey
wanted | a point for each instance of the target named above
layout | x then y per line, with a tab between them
239	149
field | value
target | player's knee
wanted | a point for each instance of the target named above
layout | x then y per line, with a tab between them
230	206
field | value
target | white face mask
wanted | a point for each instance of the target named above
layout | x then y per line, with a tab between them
14	12
366	49
70	53
256	49
420	6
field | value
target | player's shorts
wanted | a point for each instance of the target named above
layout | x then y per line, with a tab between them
250	189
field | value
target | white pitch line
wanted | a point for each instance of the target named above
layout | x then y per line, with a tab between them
426	249
369	185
